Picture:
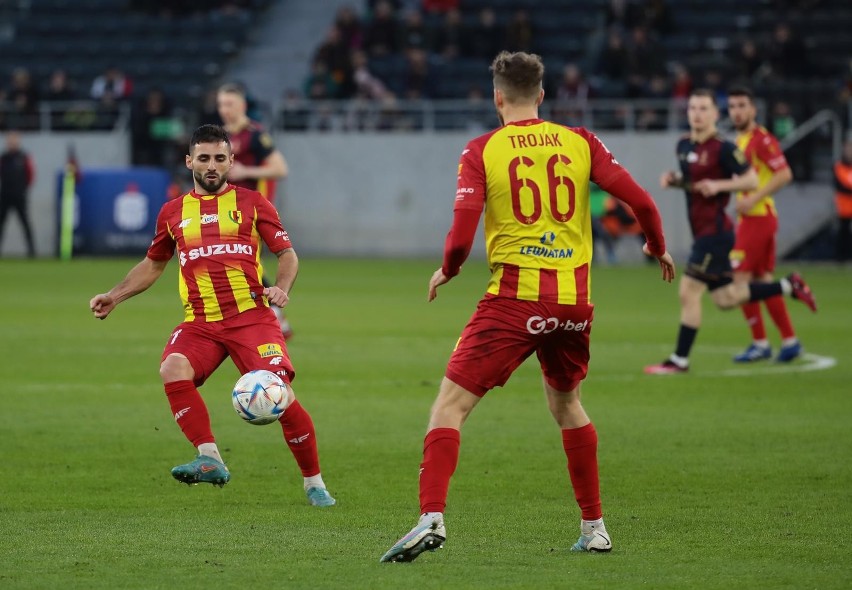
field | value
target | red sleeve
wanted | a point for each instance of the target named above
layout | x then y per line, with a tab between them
30	171
612	177
163	245
770	153
470	201
269	225
459	240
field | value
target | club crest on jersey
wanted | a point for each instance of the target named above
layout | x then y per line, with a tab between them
271	349
209	218
235	216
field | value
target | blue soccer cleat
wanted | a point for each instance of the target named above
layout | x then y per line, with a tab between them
203	469
789	353
754	353
320	497
428	535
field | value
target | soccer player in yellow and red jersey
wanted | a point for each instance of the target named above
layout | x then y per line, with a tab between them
531	177
753	256
217	230
258	165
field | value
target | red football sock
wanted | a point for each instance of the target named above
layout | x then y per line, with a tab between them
581	448
440	457
190	412
299	433
751	311
778	310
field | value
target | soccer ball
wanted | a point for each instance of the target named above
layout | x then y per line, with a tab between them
260	397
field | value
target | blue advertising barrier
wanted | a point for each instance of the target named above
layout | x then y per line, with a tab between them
116	209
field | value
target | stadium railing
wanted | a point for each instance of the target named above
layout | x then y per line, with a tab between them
75	115
359	115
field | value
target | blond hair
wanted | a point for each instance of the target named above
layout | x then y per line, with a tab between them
518	75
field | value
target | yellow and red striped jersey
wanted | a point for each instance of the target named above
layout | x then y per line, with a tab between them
761	148
533	179
218	239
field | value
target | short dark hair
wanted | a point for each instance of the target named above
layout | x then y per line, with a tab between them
705	92
209	134
742	91
518	75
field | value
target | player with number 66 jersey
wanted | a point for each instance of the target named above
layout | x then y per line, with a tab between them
531	178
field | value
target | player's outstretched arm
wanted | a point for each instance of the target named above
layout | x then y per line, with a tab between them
140	277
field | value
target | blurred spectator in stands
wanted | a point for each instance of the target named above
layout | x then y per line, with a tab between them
681	84
645	58
658	17
335	55
787	56
112	82
381	36
295	113
154	131
367	86
613	61
349	26
21	98
479	112
843	201
782	123
623	14
419	81
208	111
16	177
655	117
681	89
107	112
485	39
748	63
59	89
844	94
713	81
440	6
320	84
519	32
412	31
447	39
572	96
59	93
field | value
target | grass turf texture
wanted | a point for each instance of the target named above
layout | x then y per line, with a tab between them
708	480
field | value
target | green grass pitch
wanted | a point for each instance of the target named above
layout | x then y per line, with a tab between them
725	477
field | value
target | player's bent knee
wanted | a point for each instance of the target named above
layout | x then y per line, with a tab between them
176	367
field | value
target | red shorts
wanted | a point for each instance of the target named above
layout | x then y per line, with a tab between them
754	248
252	339
503	332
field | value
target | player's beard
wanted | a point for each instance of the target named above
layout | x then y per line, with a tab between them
210	187
741	126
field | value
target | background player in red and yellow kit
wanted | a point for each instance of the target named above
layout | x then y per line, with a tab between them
258	165
217	230
753	256
532	179
710	168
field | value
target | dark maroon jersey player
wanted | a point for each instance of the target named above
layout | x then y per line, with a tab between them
257	163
